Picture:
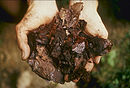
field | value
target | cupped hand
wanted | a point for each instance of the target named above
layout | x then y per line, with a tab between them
39	12
94	26
42	12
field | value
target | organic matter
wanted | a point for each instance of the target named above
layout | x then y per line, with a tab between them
61	49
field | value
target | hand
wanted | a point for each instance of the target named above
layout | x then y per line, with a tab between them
39	12
94	26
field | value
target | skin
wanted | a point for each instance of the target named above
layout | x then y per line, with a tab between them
39	12
94	26
42	12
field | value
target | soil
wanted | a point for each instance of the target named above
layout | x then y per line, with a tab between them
61	49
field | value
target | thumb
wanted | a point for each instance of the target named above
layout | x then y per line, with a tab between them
22	41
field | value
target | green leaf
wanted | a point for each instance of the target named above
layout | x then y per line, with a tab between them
111	57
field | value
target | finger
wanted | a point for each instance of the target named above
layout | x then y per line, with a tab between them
76	80
97	59
89	66
22	41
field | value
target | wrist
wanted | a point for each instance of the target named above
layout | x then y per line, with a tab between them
45	8
41	12
87	4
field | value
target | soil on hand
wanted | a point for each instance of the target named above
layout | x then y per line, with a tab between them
61	49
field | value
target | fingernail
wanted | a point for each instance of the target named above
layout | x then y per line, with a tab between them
76	80
26	52
89	66
23	55
97	59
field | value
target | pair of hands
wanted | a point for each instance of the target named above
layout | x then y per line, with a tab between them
42	12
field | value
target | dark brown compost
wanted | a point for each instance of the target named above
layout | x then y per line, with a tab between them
61	49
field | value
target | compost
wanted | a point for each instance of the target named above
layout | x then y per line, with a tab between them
61	49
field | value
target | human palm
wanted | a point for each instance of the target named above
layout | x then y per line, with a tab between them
42	12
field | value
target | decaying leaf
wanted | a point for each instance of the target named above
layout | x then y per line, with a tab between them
61	49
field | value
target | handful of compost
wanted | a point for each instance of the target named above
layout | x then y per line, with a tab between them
61	49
